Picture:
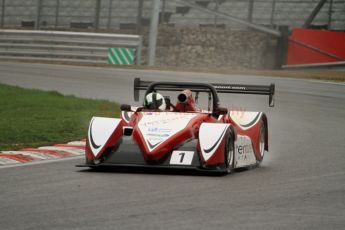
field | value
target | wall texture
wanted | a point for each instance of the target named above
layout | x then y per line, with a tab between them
210	47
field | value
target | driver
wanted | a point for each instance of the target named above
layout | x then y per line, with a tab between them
154	101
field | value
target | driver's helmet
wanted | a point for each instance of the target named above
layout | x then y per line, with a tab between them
154	101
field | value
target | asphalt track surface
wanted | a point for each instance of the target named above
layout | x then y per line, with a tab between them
300	184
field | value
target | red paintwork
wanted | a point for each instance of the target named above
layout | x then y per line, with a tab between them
329	41
189	106
188	133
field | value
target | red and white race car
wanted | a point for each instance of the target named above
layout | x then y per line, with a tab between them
163	134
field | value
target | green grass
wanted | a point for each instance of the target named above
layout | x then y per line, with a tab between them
32	118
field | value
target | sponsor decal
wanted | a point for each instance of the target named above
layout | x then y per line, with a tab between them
244	148
157	135
157	127
159	130
244	151
230	87
164	118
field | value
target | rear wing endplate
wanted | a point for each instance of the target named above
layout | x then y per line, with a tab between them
220	88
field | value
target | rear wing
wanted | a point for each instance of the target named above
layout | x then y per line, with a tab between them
199	87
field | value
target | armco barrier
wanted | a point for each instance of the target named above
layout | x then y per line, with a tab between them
72	47
121	56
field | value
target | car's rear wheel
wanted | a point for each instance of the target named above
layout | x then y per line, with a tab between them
262	141
229	153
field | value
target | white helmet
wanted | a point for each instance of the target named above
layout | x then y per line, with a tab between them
155	101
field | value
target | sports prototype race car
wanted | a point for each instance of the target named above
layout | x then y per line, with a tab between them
164	134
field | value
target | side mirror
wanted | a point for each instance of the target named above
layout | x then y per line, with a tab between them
125	107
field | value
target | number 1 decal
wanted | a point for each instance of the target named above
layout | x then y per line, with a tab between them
181	158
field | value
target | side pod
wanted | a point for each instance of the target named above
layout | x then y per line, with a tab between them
211	136
103	132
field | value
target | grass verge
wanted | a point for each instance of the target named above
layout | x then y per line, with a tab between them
32	118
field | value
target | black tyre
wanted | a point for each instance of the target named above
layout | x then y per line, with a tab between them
229	152
262	141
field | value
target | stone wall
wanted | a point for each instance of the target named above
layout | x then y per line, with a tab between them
211	47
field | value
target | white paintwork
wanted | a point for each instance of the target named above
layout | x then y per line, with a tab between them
181	158
244	153
101	128
242	118
209	134
157	127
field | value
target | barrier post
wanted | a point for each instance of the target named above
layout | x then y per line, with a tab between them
3	5
153	31
57	8
97	14
38	14
282	47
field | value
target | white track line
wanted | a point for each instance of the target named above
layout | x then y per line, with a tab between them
328	82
